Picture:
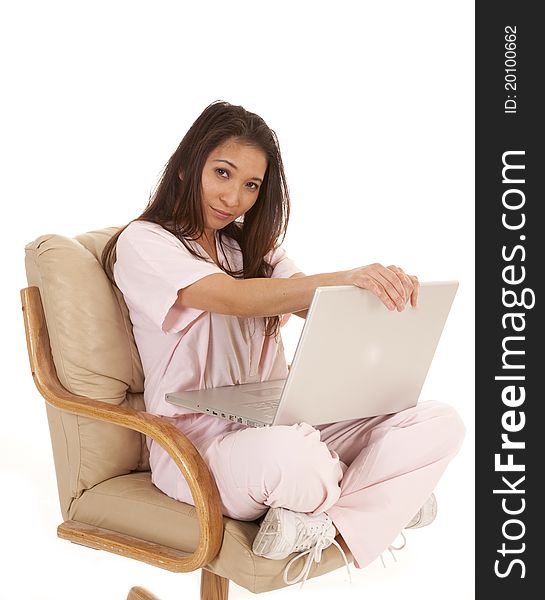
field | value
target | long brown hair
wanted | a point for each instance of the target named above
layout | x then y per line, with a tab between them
175	204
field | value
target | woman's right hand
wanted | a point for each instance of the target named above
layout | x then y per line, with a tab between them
390	284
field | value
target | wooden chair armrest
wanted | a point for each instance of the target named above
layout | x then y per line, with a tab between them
201	483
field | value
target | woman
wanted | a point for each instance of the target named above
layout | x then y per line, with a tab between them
208	285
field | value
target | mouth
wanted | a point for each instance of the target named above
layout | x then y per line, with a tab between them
221	214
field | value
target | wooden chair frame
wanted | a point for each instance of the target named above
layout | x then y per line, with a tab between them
201	483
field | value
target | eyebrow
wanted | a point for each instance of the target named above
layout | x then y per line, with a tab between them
235	167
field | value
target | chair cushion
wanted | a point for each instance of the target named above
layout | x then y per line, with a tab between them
132	505
95	356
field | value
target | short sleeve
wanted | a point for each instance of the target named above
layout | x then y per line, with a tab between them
151	266
283	266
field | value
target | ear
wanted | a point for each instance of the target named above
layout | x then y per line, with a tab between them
180	175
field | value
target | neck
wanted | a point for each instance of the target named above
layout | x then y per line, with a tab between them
208	237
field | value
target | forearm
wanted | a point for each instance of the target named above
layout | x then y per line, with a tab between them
265	297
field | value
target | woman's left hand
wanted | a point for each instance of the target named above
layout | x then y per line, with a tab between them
410	284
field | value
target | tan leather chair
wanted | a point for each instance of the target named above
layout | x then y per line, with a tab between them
86	365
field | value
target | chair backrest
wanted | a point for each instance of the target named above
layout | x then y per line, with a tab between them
95	356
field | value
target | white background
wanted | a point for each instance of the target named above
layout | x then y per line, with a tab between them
373	106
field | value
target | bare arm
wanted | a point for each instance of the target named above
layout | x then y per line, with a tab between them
256	297
265	297
300	313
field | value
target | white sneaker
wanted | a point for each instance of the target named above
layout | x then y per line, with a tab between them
284	531
425	515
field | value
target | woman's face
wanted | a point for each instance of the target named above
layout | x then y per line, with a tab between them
231	180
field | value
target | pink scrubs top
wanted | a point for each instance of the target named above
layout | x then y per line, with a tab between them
188	348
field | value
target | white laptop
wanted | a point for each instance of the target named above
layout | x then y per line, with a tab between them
354	359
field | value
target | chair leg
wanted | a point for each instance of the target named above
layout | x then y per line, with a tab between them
138	593
213	587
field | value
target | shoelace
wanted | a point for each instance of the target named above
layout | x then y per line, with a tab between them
391	549
314	554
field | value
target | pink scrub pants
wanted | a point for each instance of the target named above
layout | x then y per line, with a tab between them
370	475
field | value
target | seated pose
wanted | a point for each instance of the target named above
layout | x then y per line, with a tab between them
208	286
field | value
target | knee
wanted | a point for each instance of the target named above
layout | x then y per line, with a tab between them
302	473
447	424
300	448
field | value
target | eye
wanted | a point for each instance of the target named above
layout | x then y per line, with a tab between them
219	171
256	187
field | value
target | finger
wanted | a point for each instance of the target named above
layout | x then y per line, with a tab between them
392	285
370	283
416	289
392	276
405	280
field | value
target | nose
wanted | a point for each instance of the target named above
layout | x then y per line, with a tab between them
230	196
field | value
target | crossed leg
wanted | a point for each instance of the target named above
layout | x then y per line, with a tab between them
370	475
